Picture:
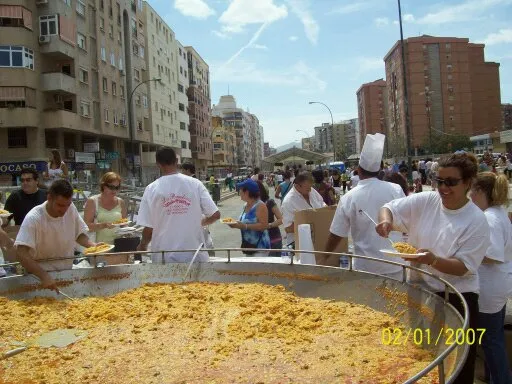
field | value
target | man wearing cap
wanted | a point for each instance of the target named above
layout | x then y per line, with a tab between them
370	195
172	210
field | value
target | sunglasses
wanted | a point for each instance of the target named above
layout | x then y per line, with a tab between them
449	181
113	187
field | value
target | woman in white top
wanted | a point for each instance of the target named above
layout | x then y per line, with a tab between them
490	194
57	169
452	231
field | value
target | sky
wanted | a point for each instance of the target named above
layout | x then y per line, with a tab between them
275	56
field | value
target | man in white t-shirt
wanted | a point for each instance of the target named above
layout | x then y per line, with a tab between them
172	210
50	231
370	194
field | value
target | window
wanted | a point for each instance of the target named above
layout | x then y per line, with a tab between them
181	69
121	91
182	107
48	25
105	112
137	99
105	85
135	49
180	88
83	75
111	31
85	108
448	46
67	2
116	121
102	24
81	41
183	144
103	54
112	59
139	125
185	73
119	38
114	88
140	4
17	137
141	51
450	77
183	126
121	67
80	7
122	121
102	6
136	74
452	108
145	101
16	57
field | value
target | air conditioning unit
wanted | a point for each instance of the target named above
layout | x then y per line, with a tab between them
44	39
41	2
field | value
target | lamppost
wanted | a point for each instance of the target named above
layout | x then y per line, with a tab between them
332	126
406	100
132	118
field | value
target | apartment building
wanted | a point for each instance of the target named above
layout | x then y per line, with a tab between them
183	117
352	142
67	69
331	139
451	89
199	110
224	146
161	63
371	108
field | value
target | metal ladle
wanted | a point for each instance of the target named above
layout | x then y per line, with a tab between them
192	261
373	221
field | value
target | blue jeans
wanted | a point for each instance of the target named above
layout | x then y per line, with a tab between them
493	344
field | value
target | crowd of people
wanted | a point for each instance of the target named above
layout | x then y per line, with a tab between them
461	226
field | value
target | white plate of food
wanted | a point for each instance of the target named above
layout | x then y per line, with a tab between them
4	213
98	249
228	220
121	222
395	253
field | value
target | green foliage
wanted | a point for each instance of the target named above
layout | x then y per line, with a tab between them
444	143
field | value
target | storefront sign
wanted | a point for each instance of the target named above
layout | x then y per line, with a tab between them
84	157
112	155
40	166
91	147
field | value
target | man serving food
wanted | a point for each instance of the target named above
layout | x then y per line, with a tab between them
46	240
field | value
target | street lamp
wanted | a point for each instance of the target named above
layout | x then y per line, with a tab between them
132	115
406	100
332	126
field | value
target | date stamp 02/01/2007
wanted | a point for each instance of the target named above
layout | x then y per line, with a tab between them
419	336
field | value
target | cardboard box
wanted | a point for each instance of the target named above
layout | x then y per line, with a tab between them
320	220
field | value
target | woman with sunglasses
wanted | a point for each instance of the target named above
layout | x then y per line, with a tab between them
102	210
490	193
452	231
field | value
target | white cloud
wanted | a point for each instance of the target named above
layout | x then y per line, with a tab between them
194	8
367	64
465	11
503	36
408	18
301	9
260	46
221	35
299	76
293	38
381	21
241	13
351	8
253	40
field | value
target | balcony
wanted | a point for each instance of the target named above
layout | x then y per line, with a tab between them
60	118
54	47
19	117
58	81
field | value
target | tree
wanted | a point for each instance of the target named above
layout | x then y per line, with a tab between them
446	143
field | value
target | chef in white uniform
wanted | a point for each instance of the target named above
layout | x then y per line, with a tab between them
370	195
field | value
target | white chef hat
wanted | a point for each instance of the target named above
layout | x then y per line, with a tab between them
371	155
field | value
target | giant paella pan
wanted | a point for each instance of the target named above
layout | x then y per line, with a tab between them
230	321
